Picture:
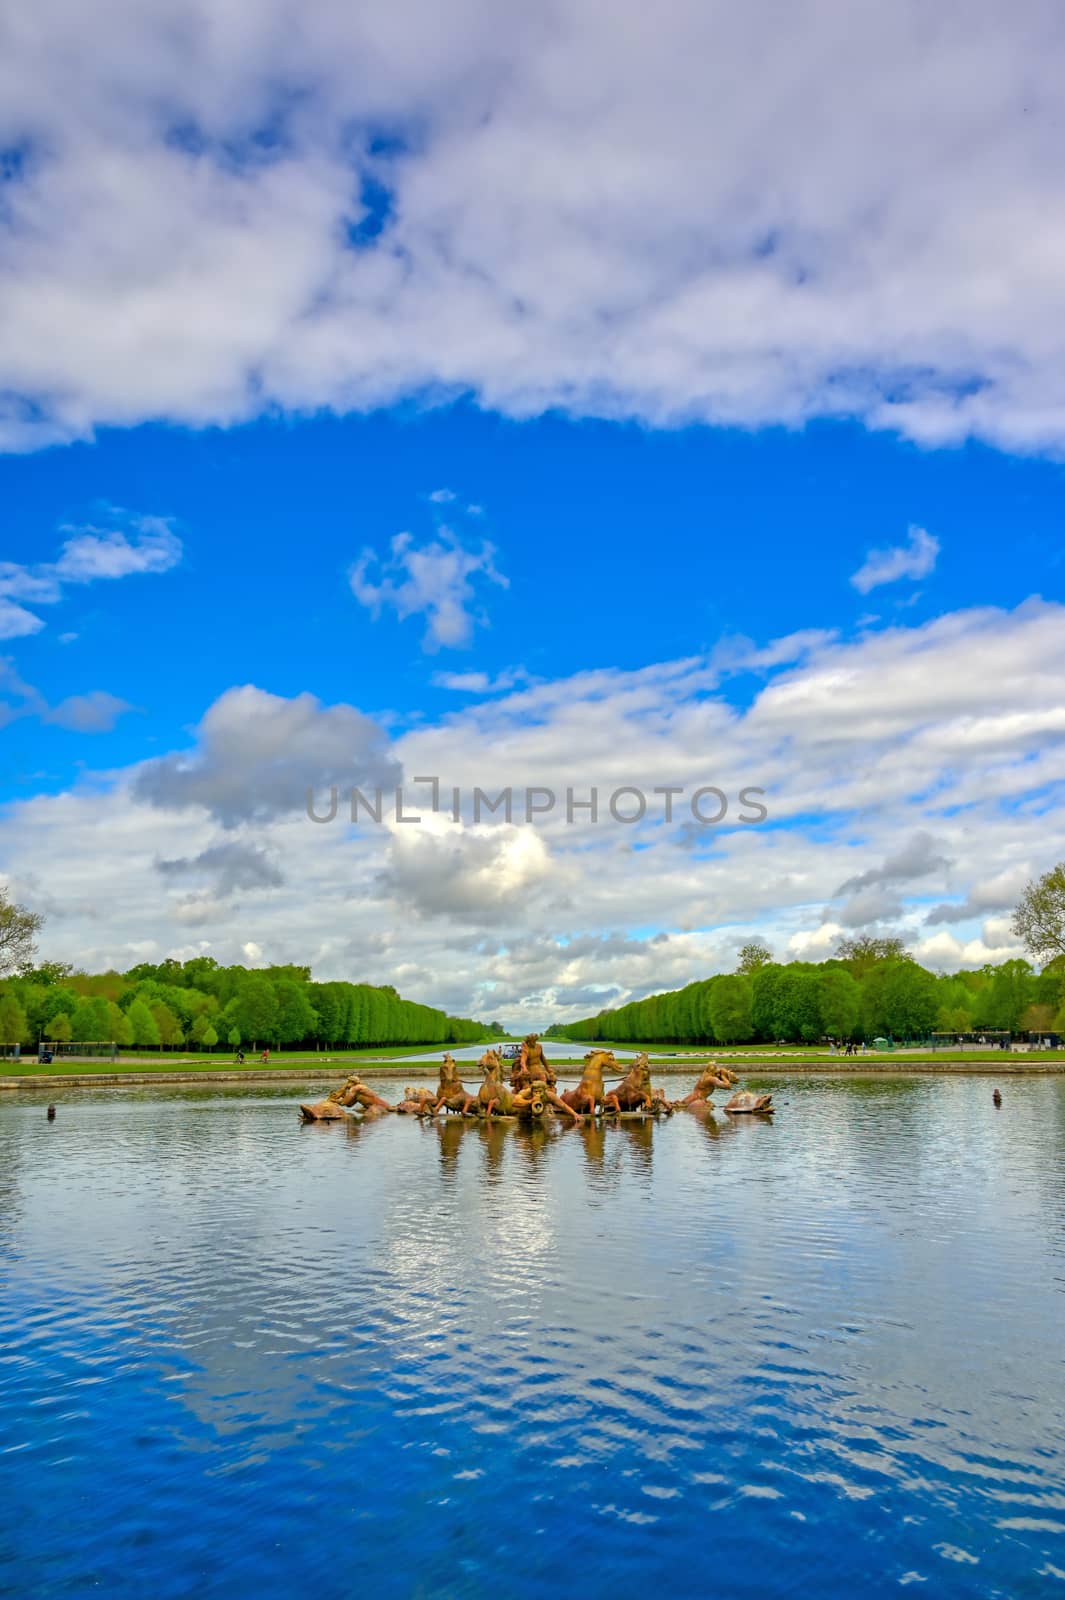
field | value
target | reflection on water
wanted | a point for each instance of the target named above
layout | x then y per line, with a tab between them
819	1354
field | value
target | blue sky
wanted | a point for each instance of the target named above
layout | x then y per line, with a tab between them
376	401
620	545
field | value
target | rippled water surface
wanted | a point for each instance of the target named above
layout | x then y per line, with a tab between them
816	1356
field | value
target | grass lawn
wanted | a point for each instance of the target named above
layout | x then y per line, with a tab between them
569	1049
562	1053
181	1061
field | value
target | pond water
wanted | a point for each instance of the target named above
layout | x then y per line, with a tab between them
820	1355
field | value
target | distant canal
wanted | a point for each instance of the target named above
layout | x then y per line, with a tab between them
819	1356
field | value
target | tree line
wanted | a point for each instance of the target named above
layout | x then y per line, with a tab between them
870	988
201	1004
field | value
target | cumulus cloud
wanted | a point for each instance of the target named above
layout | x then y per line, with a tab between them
915	559
990	894
343	207
868	909
230	865
479	873
434	580
257	755
938	740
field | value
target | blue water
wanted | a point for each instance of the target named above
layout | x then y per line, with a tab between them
820	1356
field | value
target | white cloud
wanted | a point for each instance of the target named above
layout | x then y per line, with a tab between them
95	712
231	864
760	216
133	544
481	682
986	894
91	553
856	744
479	873
15	621
920	856
434	580
257	755
915	559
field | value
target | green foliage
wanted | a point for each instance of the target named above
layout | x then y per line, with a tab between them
60	1028
14	1028
730	1010
167	1025
1039	920
166	1003
752	956
143	1025
18	932
876	988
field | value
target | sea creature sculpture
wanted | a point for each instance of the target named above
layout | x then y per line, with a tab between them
416	1102
493	1094
451	1094
589	1093
746	1100
634	1092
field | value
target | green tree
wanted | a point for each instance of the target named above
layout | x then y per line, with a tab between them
168	1025
143	1026
730	1010
118	1025
202	1033
1039	920
899	998
60	1029
91	1022
840	1002
1009	996
18	935
296	1019
797	1011
255	1013
752	956
863	951
14	1028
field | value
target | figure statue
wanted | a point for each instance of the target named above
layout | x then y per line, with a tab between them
352	1092
713	1076
699	1100
534	1082
533	1066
